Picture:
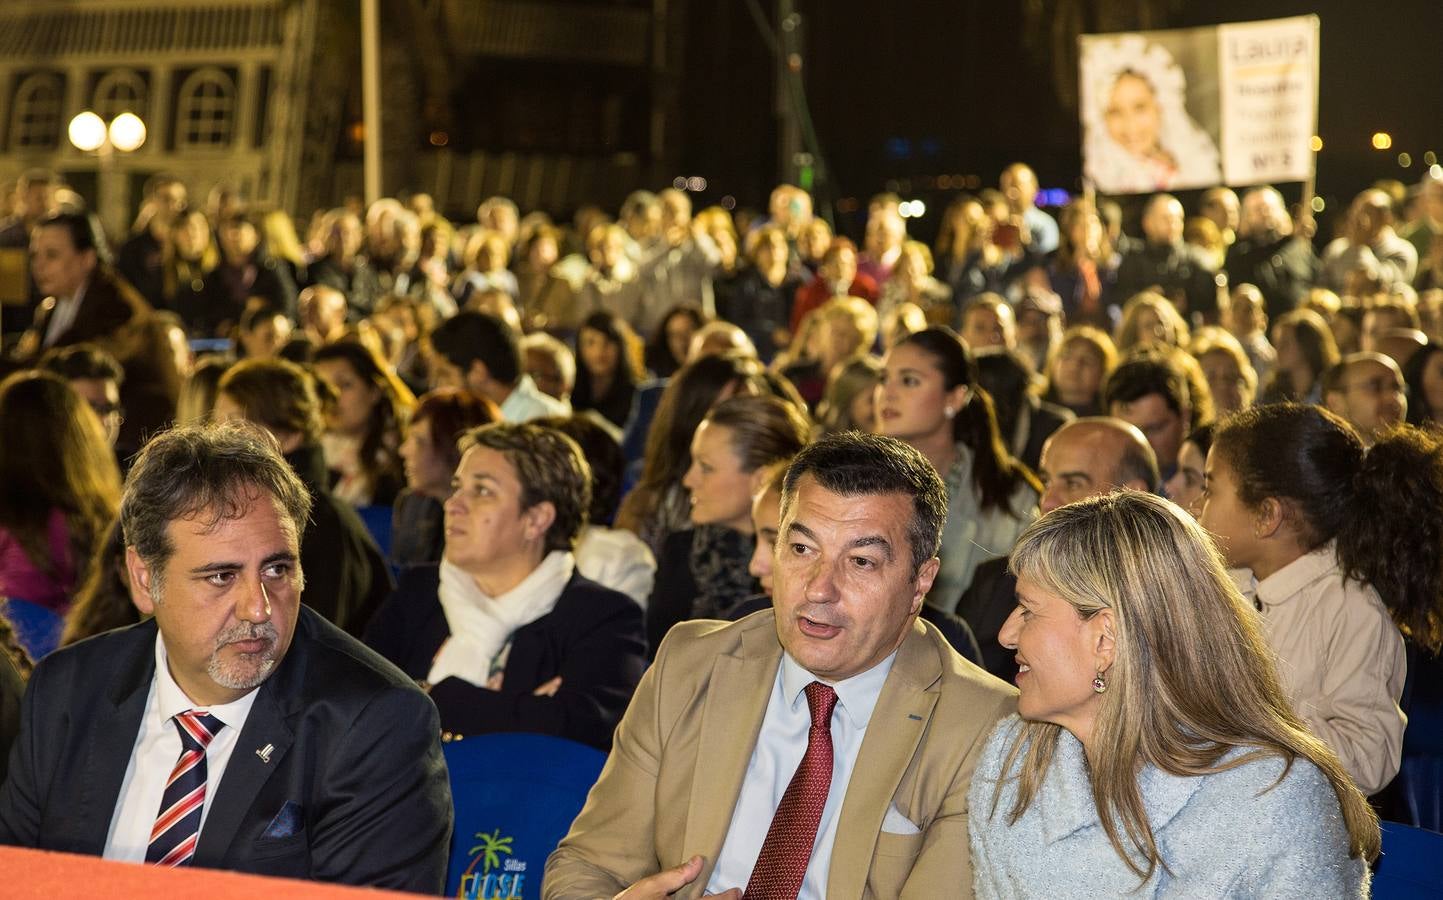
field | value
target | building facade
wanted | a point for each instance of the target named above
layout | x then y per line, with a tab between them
552	103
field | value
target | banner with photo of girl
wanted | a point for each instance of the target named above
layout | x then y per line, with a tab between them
1230	104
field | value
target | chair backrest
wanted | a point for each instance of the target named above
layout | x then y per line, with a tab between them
515	796
377	520
1411	865
36	627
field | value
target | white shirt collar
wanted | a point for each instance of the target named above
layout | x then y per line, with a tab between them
857	695
171	701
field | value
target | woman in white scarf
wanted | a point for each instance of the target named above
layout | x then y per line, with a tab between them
505	631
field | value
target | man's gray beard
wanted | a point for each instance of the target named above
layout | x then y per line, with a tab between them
237	676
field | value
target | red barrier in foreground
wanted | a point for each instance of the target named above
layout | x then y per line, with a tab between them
38	874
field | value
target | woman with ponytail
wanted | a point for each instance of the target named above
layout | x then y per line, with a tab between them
929	397
1342	545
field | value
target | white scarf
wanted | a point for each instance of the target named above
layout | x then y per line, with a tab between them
481	626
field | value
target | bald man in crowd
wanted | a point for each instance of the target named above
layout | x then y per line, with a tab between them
1084	458
1367	390
1163	262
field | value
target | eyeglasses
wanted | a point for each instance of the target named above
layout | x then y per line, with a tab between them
1376	387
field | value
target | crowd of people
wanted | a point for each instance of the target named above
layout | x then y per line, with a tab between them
523	457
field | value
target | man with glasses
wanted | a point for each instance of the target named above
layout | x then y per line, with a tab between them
96	377
1367	390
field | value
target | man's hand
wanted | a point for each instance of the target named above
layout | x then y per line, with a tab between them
548	689
664	884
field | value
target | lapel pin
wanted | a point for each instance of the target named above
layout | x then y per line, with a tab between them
914	716
265	752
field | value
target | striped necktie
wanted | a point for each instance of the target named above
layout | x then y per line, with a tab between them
177	826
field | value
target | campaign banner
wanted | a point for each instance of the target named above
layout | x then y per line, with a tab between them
1197	107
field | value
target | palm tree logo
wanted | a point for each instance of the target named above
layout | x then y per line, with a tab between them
487	853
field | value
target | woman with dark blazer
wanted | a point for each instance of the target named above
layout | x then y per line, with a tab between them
504	631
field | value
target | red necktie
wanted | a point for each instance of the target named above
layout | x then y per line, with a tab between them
787	849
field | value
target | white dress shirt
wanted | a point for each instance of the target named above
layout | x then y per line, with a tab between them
527	402
618	559
157	748
62	316
780	746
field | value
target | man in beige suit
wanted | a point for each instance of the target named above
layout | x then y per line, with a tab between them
724	777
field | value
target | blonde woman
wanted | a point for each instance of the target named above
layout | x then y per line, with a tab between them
1077	368
1156	754
1150	318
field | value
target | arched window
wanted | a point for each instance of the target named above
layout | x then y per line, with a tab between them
205	114
122	90
35	117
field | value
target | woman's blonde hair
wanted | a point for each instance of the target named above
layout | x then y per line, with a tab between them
1192	678
1096	340
1127	331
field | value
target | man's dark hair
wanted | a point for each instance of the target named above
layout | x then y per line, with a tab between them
470	336
603	455
1138	377
84	231
854	464
204	470
82	362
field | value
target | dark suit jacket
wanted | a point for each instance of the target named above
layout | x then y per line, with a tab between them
593	639
985	606
355	760
1046	418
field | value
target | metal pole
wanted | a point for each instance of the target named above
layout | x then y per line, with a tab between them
371	96
789	133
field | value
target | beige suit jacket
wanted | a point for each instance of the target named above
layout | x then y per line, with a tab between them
682	749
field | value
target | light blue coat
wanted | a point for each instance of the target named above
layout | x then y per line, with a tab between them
1222	835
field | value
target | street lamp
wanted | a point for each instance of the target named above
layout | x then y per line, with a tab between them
89	133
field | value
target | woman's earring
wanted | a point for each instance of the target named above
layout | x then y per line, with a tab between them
1099	684
949	412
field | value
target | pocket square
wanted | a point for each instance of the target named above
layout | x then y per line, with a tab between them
896	823
287	823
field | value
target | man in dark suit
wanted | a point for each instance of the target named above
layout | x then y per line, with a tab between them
1084	458
87	301
235	729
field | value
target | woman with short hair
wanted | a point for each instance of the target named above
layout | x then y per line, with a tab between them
506	633
1156	753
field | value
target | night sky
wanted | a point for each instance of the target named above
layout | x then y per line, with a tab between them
901	91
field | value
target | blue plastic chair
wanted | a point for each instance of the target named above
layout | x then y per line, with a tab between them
1411	865
1419	785
515	796
377	520
36	628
